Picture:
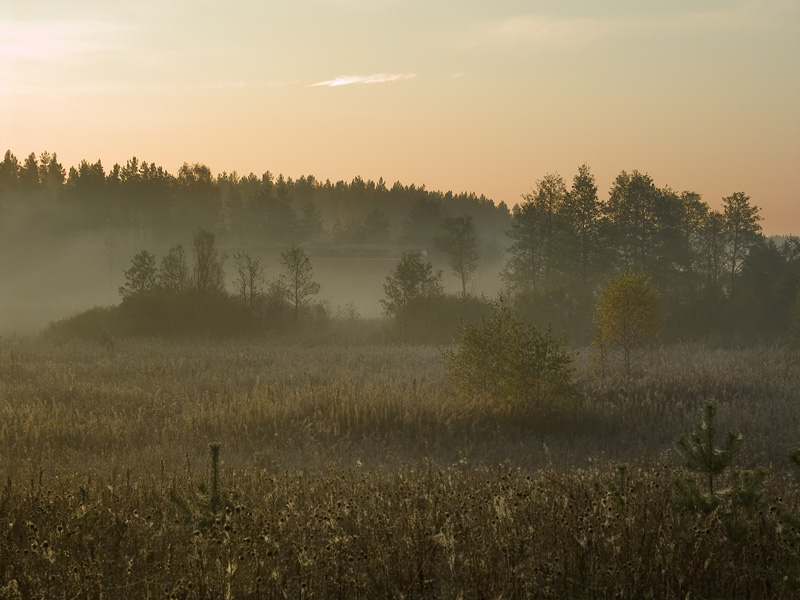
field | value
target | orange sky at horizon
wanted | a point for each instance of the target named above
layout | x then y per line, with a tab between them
455	95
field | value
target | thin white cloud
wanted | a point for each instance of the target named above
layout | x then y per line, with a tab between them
354	79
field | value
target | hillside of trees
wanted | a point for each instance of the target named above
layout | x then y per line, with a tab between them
718	278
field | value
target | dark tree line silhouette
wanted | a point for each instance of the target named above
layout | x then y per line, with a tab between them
151	204
717	275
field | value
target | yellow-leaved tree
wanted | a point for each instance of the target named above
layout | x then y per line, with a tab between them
627	317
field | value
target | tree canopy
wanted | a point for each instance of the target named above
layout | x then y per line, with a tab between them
716	274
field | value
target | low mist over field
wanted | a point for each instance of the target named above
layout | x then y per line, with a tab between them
68	240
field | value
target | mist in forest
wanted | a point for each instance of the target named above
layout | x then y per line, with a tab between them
93	237
69	237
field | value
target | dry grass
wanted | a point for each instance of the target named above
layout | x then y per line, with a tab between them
353	472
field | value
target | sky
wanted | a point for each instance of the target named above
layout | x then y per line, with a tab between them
461	95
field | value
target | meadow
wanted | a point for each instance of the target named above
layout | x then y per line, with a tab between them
354	471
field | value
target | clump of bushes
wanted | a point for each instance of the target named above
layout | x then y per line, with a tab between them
174	300
417	308
510	362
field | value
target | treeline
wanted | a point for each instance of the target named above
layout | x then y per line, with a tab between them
178	298
717	276
153	206
185	294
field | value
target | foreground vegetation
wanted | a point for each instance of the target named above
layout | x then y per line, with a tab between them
418	531
357	472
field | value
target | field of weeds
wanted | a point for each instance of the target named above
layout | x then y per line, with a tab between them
354	472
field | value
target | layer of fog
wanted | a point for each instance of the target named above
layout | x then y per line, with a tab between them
42	283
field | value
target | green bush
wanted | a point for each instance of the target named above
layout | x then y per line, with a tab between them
510	362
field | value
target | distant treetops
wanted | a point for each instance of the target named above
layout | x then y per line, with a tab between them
715	274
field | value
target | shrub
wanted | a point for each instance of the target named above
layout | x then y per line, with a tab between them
508	361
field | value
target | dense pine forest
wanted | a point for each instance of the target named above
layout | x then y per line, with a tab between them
718	278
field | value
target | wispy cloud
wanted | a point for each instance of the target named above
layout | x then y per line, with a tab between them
376	78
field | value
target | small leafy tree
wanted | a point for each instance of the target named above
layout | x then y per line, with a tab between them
173	274
414	298
141	276
296	283
460	243
627	317
741	227
249	279
412	280
506	360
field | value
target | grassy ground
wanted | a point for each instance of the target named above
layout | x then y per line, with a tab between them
352	471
